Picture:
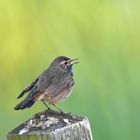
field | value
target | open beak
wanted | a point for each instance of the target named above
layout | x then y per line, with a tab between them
73	61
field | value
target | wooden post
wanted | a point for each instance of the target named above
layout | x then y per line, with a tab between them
53	125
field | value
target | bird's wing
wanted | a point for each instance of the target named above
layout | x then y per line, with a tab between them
28	88
41	85
50	87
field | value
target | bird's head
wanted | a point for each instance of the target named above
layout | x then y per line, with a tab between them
64	63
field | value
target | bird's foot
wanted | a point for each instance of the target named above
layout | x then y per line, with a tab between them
49	109
61	111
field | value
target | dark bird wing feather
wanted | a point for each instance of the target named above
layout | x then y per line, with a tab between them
28	88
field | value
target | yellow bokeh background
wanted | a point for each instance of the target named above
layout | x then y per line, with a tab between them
104	35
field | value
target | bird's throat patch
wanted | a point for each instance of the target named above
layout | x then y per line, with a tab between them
70	69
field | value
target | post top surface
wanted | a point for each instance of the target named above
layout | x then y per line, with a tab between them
46	122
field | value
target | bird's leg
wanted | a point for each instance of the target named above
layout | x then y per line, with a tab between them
46	105
58	108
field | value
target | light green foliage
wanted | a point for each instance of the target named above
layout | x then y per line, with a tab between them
104	35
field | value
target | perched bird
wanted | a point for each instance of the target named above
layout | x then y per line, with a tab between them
52	86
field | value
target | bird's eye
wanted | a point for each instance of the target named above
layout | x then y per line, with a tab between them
66	63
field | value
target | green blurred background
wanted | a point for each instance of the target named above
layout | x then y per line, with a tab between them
104	35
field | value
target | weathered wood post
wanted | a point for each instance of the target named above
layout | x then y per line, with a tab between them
53	125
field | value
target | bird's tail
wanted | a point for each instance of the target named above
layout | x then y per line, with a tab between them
26	103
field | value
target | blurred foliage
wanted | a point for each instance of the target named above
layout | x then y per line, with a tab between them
104	35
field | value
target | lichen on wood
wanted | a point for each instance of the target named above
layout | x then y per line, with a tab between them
53	125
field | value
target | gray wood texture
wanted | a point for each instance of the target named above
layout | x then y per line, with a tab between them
53	125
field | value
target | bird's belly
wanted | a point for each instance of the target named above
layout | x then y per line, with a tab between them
65	95
55	94
60	97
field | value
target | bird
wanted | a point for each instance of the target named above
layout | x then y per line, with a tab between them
52	86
